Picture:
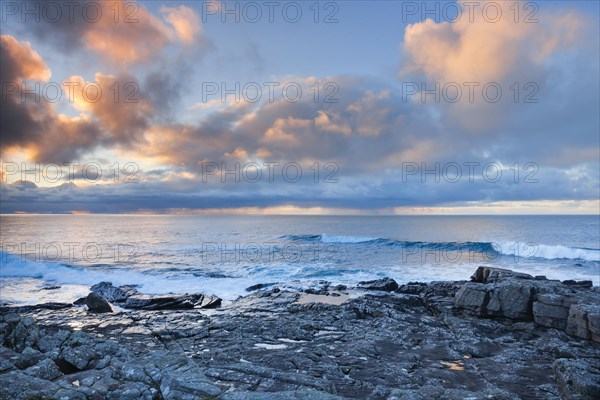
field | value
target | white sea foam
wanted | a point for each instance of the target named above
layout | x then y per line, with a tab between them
345	239
34	274
156	282
164	281
549	252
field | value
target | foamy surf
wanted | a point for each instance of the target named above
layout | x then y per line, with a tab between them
34	275
548	252
345	239
149	282
518	249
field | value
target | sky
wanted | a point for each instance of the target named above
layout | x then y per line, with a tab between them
347	107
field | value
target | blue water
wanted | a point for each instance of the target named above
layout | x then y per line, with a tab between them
225	254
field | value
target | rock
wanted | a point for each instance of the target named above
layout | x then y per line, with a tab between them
268	293
322	292
177	387
578	379
583	321
412	288
80	301
511	299
28	358
552	310
583	284
259	286
75	359
302	394
53	341
81	351
97	304
491	275
384	284
34	307
51	287
19	332
18	385
339	288
209	301
46	369
594	324
166	302
473	298
503	293
411	344
111	293
129	297
6	366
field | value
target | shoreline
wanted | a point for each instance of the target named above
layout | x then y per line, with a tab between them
503	334
20	291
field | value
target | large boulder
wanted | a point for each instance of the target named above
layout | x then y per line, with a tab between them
384	284
112	293
166	302
129	297
97	304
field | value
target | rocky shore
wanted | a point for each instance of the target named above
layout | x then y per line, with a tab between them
503	335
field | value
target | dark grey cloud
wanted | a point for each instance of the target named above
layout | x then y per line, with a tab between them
378	192
32	123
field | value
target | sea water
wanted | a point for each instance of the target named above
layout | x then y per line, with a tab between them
57	257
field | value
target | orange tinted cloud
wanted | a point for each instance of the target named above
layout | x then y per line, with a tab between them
134	37
481	53
119	106
185	22
332	122
125	41
284	129
25	63
484	51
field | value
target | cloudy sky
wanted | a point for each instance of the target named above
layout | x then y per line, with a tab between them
300	107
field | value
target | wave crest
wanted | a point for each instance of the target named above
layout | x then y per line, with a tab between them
517	249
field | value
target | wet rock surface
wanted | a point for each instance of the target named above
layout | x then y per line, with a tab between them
97	304
570	306
129	297
385	284
439	340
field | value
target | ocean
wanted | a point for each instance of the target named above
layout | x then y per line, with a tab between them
57	257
